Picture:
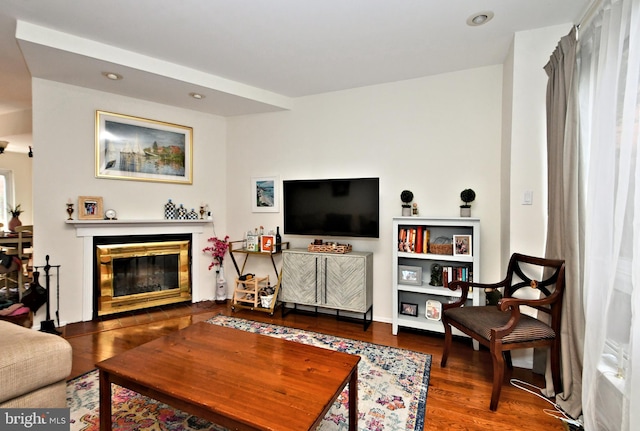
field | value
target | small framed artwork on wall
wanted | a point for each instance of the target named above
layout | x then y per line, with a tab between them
90	208
265	194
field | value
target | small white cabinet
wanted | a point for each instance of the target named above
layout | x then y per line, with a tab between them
343	282
410	294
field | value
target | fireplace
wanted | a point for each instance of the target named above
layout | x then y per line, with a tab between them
141	271
88	230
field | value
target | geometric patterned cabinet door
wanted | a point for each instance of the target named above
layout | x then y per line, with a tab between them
337	281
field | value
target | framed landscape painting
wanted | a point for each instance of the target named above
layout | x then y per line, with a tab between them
265	194
132	148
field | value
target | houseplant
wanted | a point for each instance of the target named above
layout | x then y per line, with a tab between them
15	214
467	196
406	197
217	250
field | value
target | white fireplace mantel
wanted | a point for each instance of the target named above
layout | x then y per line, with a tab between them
88	229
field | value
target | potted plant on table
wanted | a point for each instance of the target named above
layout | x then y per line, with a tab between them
15	214
467	196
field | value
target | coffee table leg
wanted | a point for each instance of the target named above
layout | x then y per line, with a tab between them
105	401
353	400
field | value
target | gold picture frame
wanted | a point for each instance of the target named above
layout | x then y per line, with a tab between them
140	149
90	208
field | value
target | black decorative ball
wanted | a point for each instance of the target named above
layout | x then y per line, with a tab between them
406	196
467	196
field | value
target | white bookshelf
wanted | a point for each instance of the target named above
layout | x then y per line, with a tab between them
420	293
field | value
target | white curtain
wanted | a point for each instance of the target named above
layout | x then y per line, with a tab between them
609	76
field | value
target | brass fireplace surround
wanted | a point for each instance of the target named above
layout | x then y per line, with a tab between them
109	299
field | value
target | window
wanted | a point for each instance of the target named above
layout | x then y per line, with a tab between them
6	195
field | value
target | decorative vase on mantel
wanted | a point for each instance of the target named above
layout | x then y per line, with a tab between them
14	223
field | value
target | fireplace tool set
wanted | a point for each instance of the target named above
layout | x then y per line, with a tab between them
48	324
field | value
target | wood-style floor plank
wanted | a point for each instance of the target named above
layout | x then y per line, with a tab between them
458	396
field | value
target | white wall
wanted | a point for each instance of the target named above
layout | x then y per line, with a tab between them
525	147
434	136
64	134
531	51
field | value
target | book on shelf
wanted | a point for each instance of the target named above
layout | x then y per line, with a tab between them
407	240
419	239
425	241
457	273
413	239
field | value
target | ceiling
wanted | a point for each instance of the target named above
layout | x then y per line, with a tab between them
250	56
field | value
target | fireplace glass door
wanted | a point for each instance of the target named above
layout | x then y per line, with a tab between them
140	275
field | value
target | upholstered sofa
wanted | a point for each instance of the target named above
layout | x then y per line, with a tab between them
34	367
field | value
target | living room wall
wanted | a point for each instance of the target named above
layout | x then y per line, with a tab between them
434	136
63	169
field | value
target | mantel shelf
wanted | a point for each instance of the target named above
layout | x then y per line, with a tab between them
149	222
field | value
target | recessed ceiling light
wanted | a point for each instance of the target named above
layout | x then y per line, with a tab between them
196	96
112	75
479	18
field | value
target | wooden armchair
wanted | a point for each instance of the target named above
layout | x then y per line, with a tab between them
503	328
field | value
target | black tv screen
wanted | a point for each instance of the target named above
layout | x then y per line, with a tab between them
332	207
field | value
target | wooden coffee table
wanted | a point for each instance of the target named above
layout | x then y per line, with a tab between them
236	379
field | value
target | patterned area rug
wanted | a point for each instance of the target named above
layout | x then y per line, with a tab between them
392	389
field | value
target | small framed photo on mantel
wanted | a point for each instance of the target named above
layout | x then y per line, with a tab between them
90	208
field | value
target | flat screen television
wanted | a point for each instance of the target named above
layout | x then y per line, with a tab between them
332	207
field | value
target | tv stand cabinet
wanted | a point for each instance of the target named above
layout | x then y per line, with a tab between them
334	281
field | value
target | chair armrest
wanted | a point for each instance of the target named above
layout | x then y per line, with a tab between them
455	285
464	286
509	303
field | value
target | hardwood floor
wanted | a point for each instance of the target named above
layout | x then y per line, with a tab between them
458	395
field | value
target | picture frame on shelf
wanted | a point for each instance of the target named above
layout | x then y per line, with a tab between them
433	310
140	149
267	243
265	194
409	309
90	208
410	275
462	245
